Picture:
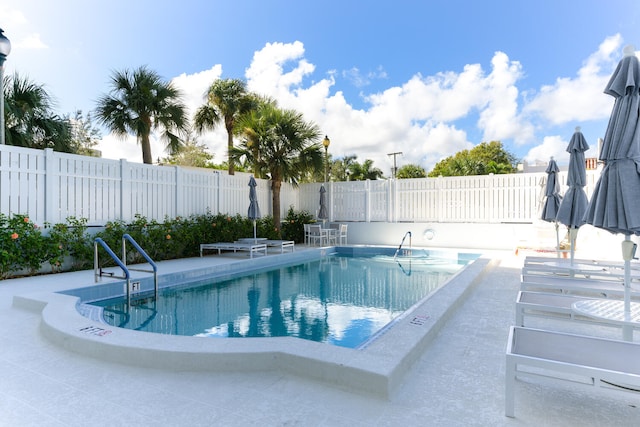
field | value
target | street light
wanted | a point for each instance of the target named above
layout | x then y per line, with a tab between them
5	50
326	143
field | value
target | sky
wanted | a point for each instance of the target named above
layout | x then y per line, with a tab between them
424	78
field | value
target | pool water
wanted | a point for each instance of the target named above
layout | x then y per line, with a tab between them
340	299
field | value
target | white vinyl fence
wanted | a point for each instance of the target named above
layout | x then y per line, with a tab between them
49	187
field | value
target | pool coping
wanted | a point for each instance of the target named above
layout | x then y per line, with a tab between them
376	369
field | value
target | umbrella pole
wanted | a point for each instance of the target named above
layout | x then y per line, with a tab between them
573	235
255	238
557	240
628	251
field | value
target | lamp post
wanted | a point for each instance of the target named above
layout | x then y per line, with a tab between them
5	49
326	143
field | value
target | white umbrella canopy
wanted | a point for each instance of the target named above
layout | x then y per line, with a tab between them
615	204
574	203
552	198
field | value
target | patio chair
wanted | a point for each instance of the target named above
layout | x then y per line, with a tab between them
306	233
317	234
342	234
599	361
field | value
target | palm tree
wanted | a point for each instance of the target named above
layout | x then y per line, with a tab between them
227	99
278	143
141	102
364	171
29	121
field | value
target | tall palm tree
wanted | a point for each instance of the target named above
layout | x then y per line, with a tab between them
227	99
29	120
364	171
279	143
141	102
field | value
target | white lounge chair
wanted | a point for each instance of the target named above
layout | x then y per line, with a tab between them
549	305
597	288
235	247
602	362
281	244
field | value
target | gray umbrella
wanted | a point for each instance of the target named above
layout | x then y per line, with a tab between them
615	204
254	210
552	198
323	214
574	203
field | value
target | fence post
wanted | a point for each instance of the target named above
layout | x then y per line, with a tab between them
179	183
330	201
125	191
392	197
51	192
367	201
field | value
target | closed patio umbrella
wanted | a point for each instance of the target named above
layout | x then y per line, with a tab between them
552	198
323	214
574	203
615	204
254	210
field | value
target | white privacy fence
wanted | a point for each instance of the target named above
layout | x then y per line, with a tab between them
513	198
49	187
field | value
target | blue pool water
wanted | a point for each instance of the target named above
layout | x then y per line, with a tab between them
339	299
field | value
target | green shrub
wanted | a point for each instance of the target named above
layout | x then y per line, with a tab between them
293	225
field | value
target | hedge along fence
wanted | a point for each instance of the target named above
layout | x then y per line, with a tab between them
27	248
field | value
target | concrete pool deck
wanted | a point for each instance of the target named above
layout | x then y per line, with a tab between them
457	380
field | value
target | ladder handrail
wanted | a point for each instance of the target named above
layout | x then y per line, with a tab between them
127	237
122	263
97	270
96	273
402	242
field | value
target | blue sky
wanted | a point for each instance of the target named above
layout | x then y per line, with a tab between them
423	77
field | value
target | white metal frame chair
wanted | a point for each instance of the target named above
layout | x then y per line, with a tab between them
342	234
306	233
317	234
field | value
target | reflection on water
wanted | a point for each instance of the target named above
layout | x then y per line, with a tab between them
339	300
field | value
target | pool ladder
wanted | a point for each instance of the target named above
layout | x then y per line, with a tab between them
122	263
408	233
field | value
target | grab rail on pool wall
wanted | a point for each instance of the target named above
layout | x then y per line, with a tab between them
154	267
98	272
408	233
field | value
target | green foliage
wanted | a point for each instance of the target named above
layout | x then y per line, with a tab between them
411	171
69	246
84	134
70	240
29	118
483	159
22	245
141	102
293	225
191	154
279	143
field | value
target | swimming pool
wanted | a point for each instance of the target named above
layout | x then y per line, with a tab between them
341	299
377	368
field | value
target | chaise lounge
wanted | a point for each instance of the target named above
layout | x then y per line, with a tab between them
235	247
601	362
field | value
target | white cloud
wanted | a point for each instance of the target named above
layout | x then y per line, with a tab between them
579	98
417	118
552	146
194	87
32	41
423	116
